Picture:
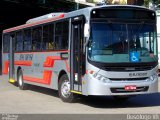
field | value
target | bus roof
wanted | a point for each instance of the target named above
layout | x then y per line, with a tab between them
30	24
57	16
44	17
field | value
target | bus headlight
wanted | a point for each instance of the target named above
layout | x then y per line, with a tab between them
153	77
101	78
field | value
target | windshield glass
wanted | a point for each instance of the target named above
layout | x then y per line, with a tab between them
121	42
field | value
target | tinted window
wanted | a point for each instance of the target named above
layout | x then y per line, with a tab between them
6	39
37	38
19	41
27	40
48	37
61	35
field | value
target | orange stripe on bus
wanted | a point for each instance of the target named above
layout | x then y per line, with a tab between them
5	68
50	61
47	76
23	63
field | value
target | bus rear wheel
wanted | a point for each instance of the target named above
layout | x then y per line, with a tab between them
64	90
21	84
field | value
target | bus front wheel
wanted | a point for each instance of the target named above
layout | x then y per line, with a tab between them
64	89
21	84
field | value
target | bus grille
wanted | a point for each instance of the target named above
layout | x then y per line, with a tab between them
128	79
122	90
124	68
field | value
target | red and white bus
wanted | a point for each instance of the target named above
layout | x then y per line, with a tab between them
103	51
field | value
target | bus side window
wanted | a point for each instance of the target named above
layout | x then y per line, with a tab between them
58	35
6	43
19	41
37	38
65	35
47	43
27	40
61	35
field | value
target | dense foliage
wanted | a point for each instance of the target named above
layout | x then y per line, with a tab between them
146	2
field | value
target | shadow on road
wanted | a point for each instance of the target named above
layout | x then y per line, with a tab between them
43	90
147	100
137	101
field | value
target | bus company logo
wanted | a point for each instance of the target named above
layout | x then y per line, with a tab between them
137	74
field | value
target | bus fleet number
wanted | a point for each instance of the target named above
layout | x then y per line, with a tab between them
26	57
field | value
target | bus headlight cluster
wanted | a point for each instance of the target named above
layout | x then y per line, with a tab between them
101	78
153	77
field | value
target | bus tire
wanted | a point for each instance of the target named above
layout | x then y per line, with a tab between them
21	84
64	89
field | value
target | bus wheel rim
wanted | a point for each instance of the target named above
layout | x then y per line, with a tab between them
20	80
65	89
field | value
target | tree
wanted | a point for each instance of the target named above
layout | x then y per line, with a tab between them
146	2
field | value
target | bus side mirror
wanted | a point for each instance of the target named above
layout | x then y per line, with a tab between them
86	30
86	34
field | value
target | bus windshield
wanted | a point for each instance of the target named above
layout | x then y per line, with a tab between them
122	42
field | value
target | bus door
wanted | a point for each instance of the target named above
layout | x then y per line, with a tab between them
76	53
11	57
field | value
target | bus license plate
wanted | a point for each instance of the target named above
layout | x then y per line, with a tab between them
130	87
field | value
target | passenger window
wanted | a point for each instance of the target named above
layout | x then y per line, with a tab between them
61	35
37	38
27	40
48	37
65	35
6	42
58	35
19	41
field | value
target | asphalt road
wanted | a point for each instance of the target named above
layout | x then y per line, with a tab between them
39	100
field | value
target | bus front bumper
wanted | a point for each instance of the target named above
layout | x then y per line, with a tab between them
96	87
